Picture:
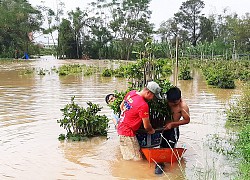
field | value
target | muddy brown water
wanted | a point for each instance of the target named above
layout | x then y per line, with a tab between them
30	106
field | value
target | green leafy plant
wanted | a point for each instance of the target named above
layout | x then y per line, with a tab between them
238	118
76	69
185	73
107	73
115	106
220	77
81	123
238	112
159	110
41	72
243	148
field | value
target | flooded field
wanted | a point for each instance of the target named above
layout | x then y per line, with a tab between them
30	107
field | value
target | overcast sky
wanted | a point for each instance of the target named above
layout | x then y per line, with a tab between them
163	9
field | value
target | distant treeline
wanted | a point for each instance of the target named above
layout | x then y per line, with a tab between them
121	29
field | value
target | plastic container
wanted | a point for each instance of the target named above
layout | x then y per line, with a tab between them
149	140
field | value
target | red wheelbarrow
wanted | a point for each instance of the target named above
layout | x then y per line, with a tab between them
161	155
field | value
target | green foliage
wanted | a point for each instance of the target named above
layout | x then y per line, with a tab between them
163	68
61	137
77	18
46	51
76	69
238	112
241	69
81	123
130	23
221	78
41	72
27	72
159	110
218	73
107	73
189	18
89	70
18	18
165	85
137	72
243	143
85	35
222	145
119	96
238	118
134	71
184	73
120	72
67	43
70	69
242	146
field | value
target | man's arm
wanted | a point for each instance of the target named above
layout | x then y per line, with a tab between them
185	115
147	125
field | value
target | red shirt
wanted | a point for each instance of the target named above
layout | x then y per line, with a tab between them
131	119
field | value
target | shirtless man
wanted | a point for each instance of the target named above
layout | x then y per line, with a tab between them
179	116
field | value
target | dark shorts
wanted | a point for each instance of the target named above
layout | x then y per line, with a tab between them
171	136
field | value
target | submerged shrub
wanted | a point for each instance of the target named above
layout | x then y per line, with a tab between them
107	73
185	72
219	77
81	123
76	69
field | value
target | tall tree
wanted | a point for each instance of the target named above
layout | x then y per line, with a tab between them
206	29
17	22
168	29
238	32
130	23
67	44
189	18
78	21
100	32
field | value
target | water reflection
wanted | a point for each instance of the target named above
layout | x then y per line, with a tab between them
30	106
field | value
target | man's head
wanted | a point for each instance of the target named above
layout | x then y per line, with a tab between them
154	88
174	95
109	98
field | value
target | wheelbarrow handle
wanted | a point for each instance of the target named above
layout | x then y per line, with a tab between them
144	131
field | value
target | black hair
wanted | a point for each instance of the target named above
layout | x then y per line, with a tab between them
173	94
107	97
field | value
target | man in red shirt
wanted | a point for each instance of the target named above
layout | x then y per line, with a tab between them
135	111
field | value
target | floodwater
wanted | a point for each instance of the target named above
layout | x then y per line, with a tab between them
30	107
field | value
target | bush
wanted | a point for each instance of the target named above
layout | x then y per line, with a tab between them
81	123
107	73
238	116
184	72
243	148
219	77
238	112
